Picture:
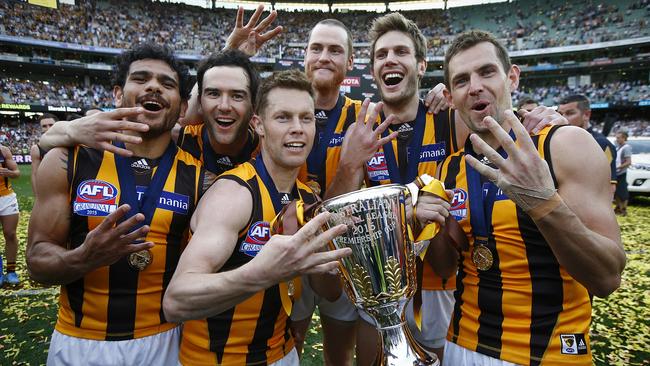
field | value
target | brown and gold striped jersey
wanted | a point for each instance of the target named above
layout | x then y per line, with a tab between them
438	140
118	302
256	331
526	308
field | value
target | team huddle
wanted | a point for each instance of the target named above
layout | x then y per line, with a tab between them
156	218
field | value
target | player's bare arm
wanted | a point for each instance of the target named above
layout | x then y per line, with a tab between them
35	154
11	170
361	141
198	290
97	131
49	260
578	222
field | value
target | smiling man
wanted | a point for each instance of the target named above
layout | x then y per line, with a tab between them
532	208
227	88
110	229
328	57
233	285
408	143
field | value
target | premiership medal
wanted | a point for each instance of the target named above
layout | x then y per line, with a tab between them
140	260
482	257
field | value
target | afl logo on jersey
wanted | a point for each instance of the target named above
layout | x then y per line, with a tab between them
258	234
459	204
96	191
377	167
95	198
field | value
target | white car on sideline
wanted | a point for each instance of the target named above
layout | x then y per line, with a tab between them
638	174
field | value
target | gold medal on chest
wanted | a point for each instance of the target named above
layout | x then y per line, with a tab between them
482	257
140	260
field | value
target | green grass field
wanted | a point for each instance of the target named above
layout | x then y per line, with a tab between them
620	329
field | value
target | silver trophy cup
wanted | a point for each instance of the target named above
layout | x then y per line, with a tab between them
380	275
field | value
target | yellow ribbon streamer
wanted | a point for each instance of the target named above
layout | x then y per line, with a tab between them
436	188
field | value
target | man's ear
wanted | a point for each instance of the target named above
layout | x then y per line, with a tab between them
350	63
257	124
422	68
117	96
183	109
513	75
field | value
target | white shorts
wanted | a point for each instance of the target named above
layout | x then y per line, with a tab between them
342	309
158	349
437	306
457	355
8	205
291	359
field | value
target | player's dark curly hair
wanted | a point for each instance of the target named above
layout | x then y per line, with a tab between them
233	58
149	50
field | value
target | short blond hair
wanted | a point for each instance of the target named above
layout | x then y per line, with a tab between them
288	79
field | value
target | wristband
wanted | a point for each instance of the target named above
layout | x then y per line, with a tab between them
546	207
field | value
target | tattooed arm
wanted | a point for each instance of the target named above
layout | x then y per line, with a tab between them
49	259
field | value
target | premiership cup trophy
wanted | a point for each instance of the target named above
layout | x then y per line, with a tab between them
380	275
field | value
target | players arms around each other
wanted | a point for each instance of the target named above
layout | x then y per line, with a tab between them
8	216
114	242
524	285
232	285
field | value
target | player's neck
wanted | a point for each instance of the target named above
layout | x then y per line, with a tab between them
284	178
490	139
326	99
151	147
405	112
228	149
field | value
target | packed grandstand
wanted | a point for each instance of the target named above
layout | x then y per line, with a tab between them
59	60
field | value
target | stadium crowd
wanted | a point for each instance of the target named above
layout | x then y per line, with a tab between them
54	93
72	94
535	24
618	92
19	138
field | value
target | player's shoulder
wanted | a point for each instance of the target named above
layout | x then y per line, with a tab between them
193	130
187	158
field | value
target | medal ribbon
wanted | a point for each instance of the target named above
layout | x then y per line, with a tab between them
480	206
292	287
318	154
413	150
209	156
152	193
